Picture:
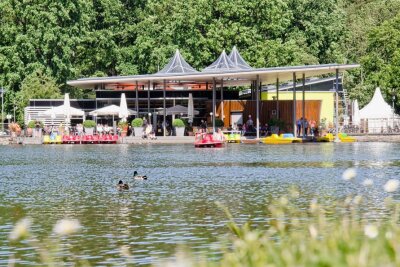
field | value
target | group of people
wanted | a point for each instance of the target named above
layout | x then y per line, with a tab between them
309	126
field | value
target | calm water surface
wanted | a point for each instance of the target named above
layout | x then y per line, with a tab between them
177	204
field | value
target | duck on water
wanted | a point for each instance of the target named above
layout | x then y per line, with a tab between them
139	177
122	186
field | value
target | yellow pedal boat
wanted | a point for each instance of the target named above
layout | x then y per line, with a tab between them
290	136
232	136
326	138
346	139
276	140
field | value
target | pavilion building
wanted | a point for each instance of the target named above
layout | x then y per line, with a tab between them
212	91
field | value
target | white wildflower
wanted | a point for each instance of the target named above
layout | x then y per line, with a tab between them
389	235
66	227
371	231
368	182
357	200
21	229
313	231
283	201
391	185
349	174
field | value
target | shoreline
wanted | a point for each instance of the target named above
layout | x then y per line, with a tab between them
7	140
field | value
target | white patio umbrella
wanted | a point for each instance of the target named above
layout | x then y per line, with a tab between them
67	109
190	109
123	112
112	110
177	110
53	115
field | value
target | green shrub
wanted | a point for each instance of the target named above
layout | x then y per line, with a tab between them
178	123
89	124
33	124
122	124
138	122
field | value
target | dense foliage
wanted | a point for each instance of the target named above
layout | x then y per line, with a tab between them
45	43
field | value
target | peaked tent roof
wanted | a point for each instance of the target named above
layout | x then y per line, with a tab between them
377	108
237	59
223	63
177	64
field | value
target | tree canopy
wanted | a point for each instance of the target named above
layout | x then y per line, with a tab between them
78	38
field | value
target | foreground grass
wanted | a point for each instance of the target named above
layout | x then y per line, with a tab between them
312	238
343	233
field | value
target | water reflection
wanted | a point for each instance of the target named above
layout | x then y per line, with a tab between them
177	204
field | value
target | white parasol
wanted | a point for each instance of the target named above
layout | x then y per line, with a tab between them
123	112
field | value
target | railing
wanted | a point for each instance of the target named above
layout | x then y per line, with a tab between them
372	126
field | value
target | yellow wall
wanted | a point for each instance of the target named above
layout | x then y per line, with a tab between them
327	104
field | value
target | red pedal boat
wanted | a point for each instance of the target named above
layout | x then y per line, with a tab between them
207	140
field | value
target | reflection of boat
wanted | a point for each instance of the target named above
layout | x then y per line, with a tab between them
71	139
326	138
207	140
290	136
250	141
232	136
276	140
346	139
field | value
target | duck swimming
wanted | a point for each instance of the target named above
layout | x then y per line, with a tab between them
139	177
122	186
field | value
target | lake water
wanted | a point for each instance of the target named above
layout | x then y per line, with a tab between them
176	205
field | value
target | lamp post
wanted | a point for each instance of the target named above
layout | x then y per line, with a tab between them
14	109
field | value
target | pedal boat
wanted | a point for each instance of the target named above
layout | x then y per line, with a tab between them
346	139
290	136
326	138
232	136
275	139
207	140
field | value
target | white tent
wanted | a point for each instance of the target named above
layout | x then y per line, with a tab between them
356	113
379	114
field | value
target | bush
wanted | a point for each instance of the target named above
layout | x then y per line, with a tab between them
122	124
89	124
138	122
35	123
178	123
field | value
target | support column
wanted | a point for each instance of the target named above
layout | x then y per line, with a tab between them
257	89
165	111
294	104
222	100
206	86
137	100
277	98
304	105
337	107
148	97
213	104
